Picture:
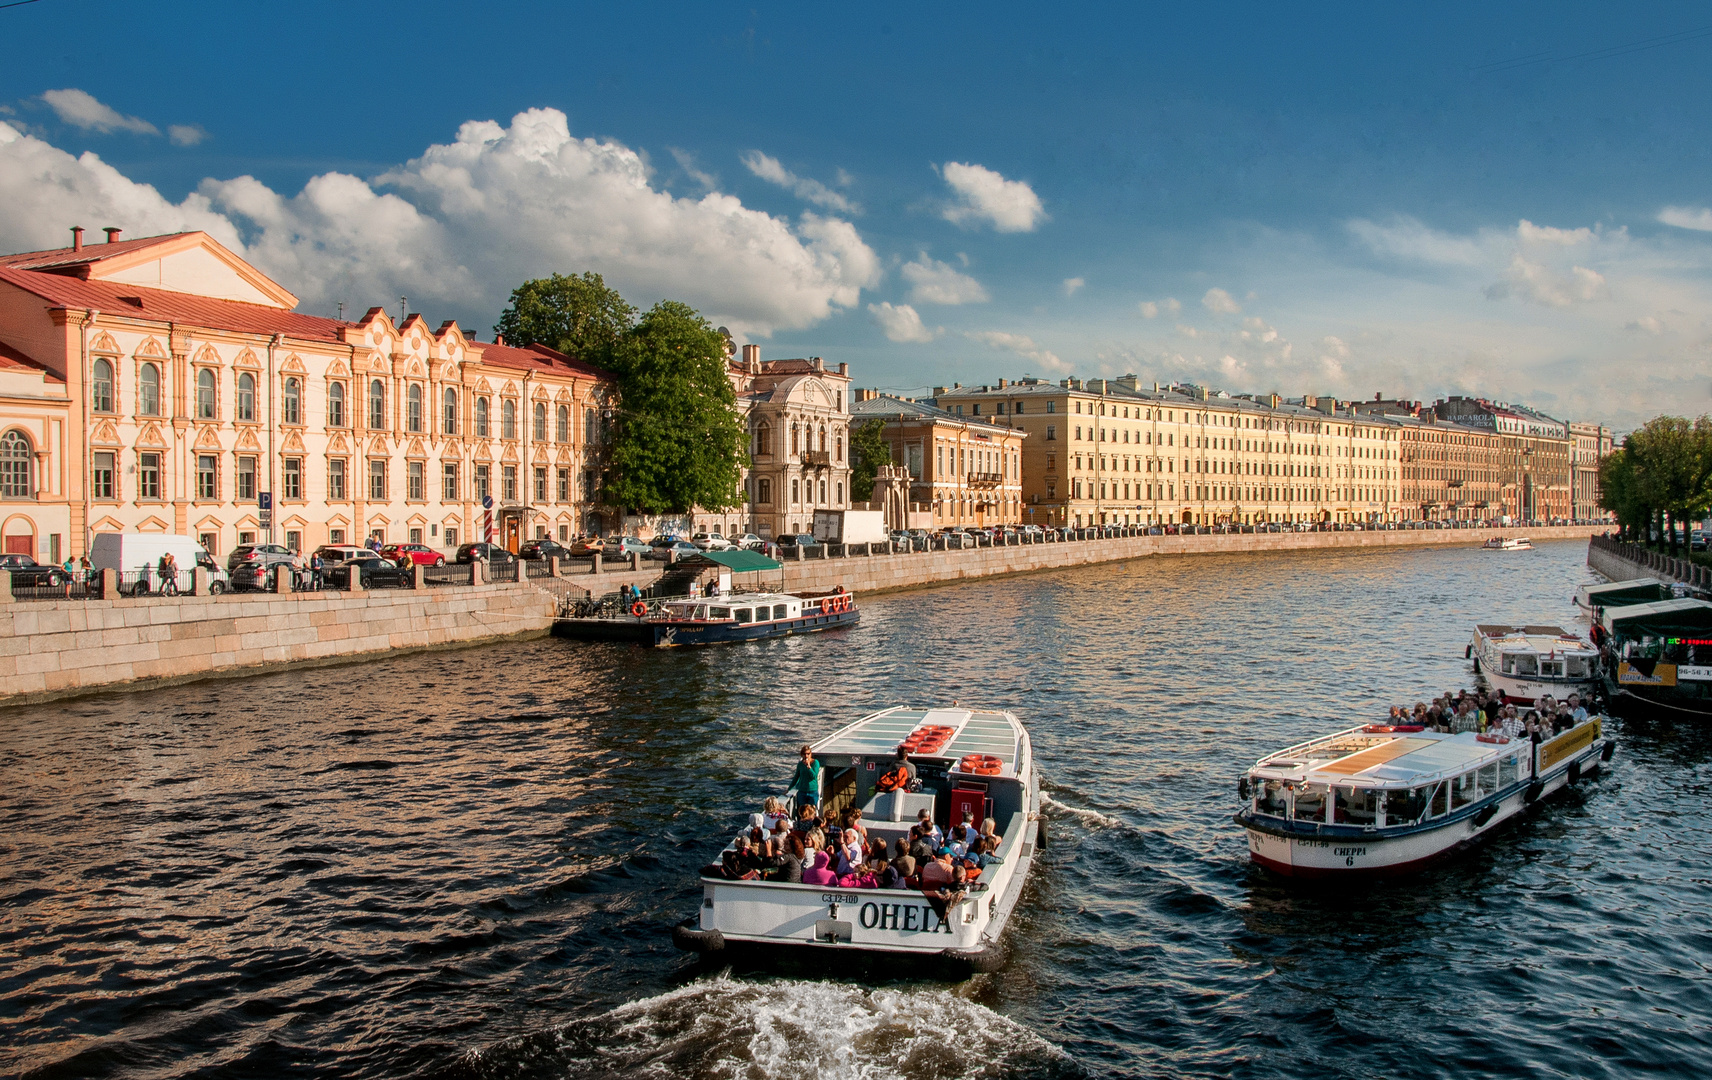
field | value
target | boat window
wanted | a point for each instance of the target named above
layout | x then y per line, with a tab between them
1273	799
1441	800
719	613
1463	790
1489	778
778	611
1507	769
1577	667
1405	807
1527	664
1310	803
701	611
1509	663
1551	668
743	614
1356	806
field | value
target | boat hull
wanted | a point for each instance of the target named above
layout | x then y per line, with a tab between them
671	633
1524	691
1662	694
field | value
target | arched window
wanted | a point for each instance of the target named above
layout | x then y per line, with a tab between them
246	397
413	408
838	445
564	424
796	439
481	418
823	438
17	466
540	433
336	404
293	406
205	404
508	419
588	426
101	387
377	405
763	439
148	390
451	412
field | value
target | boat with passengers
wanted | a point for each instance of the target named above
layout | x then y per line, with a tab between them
1526	663
1385	799
967	763
746	617
1658	658
1509	543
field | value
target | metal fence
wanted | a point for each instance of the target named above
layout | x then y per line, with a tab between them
450	574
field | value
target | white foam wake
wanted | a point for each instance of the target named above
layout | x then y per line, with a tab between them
1089	818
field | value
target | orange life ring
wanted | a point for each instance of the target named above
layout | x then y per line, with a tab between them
638	609
987	770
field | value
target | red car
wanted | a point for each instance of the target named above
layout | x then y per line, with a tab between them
420	554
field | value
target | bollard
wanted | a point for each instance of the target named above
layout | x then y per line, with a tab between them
594	563
420	578
282	580
552	566
354	579
478	572
199	581
520	571
6	586
109	585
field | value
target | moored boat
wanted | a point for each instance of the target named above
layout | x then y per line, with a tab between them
1592	599
979	761
1525	663
1385	800
747	617
1658	658
1508	543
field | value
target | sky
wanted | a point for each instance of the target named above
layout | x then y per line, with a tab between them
1420	200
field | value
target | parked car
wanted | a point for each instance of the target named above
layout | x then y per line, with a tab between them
710	541
543	548
251	566
1032	530
420	554
334	554
799	540
492	554
681	549
585	546
748	542
31	574
376	573
622	547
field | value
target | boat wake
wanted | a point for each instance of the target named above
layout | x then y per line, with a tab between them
1089	818
724	1027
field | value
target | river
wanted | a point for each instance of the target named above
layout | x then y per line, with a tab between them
463	864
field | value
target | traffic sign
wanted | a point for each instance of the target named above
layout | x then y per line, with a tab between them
487	502
264	500
267	519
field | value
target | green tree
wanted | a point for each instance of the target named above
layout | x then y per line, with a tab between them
580	316
868	451
679	442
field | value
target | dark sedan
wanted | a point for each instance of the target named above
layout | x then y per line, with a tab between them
26	572
543	549
492	554
377	573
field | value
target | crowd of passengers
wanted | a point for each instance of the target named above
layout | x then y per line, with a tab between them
820	847
1487	714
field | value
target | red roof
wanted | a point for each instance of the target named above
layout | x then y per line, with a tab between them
537	358
62	259
12	359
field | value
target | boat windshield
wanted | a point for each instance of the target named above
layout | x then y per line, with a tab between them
1310	803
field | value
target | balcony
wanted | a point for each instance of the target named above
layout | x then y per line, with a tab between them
987	478
816	457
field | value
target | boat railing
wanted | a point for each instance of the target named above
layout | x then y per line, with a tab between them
1289	751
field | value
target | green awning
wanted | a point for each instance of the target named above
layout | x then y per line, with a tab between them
1668	618
737	560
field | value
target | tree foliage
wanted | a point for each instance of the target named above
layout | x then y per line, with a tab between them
1660	478
868	451
580	316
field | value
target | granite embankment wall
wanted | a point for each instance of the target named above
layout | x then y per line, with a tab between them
1624	562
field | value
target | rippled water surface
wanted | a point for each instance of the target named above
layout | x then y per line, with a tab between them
464	864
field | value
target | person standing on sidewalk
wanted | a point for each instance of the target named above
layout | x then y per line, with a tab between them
316	570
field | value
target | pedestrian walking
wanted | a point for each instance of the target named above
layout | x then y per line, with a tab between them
169	575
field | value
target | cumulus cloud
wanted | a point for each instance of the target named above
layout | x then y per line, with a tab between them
1220	302
1071	284
1150	309
984	197
901	323
934	282
186	134
460	226
1021	345
1539	284
769	169
1698	218
80	109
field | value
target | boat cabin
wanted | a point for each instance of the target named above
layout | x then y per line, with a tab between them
1549	653
743	608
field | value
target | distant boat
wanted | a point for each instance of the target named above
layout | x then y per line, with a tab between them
1509	543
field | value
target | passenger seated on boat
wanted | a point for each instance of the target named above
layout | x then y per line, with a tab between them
851	855
808	818
1466	719
921	845
904	868
853	821
900	777
900	849
773	812
936	871
818	873
1420	716
887	876
990	830
944	895
790	858
1509	726
924	818
966	833
1576	712
740	863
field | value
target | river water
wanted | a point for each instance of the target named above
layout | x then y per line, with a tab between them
464	864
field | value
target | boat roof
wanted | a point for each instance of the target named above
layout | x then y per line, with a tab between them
1392	759
1635	590
977	731
1662	619
736	599
1538	638
737	560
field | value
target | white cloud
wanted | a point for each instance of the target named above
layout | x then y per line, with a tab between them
80	109
934	282
1529	233
1687	217
769	169
1071	284
186	134
687	162
1646	324
1020	344
1406	238
901	323
986	197
1150	309
1220	302
1535	282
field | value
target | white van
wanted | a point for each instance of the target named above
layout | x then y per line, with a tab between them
129	553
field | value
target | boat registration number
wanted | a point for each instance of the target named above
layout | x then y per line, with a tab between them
839	898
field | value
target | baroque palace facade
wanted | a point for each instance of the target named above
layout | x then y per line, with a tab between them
165	385
962	471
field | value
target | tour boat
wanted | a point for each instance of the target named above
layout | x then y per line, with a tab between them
1384	800
1658	657
1525	663
966	759
1594	598
748	617
1509	543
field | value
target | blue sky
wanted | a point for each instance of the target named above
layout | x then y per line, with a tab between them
1504	199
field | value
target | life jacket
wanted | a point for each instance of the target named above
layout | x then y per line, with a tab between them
894	780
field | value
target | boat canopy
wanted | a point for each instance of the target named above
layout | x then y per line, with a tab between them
1500	630
1385	759
1667	618
1623	593
735	560
996	734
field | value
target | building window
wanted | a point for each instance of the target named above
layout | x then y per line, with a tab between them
564	479
101	475
588	426
449	423
292	478
541	478
205	405
377	405
246	478
540	433
148	390
796	441
588	485
1051	432
377	480
449	481
763	439
293	404
335	404
101	387
451	537
335	478
838	446
481	418
508	483
563	434
246	397
796	491
483	487
839	487
415	481
17	466
207	486
413	408
210	542
148	476
764	492
508	419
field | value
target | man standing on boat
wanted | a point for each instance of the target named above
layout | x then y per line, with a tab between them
806	780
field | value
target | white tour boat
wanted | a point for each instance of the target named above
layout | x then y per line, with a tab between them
966	759
1382	800
1509	543
1525	663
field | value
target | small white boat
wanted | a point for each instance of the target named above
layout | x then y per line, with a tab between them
1509	543
1525	663
970	759
1382	800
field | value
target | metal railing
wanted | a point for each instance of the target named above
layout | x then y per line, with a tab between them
450	574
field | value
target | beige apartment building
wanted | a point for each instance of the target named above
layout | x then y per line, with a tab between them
1591	444
165	385
963	470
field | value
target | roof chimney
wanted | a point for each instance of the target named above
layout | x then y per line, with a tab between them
112	234
939	391
843	367
77	238
752	358
1003	384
